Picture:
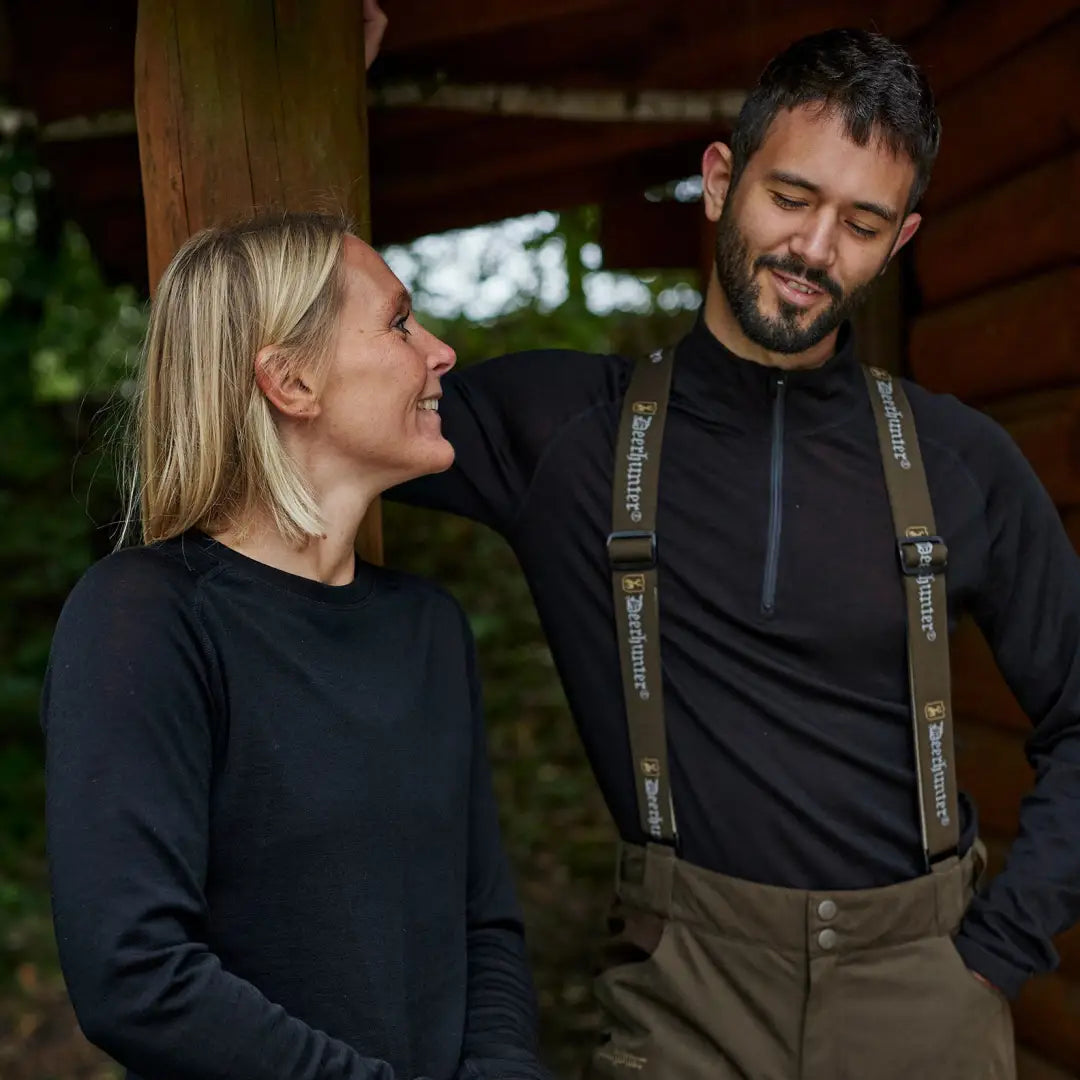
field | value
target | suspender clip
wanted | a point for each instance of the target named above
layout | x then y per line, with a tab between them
922	555
632	549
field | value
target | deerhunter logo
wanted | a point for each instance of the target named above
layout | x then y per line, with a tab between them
916	530
934	710
893	417
635	633
623	1059
925	582
938	768
650	769
636	456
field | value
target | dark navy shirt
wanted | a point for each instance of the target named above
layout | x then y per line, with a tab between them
272	835
784	649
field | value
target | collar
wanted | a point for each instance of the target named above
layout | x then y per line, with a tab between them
716	385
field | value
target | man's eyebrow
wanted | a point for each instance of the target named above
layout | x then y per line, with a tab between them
793	180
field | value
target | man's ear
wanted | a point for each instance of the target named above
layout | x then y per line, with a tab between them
287	388
907	231
715	178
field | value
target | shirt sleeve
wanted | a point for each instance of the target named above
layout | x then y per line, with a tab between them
130	719
1029	612
501	1022
500	416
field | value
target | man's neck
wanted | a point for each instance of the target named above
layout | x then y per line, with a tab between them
722	324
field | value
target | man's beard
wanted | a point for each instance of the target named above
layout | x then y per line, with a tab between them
781	333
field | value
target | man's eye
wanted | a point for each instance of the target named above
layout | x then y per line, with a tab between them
400	325
785	203
860	232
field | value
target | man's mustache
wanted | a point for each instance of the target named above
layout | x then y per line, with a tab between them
789	264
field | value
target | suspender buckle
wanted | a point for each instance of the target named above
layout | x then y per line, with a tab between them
922	555
632	549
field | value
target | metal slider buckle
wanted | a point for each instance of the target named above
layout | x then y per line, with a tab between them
913	557
632	550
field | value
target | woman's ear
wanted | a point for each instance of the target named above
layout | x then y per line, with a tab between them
286	387
715	178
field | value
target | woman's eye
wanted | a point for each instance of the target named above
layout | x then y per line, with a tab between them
400	325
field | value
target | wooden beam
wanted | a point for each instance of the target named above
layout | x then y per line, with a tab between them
1011	117
493	152
397	218
637	234
970	36
1045	1017
249	106
1031	1065
419	23
1006	233
1002	342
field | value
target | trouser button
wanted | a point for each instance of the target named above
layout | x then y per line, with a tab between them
827	938
827	910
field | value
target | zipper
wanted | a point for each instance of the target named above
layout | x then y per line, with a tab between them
776	484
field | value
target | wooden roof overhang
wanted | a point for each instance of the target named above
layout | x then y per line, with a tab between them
433	168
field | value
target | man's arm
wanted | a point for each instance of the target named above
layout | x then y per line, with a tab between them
128	715
500	1024
500	416
1029	611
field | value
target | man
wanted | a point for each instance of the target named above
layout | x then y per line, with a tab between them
796	872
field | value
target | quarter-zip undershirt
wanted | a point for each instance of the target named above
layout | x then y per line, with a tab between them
776	482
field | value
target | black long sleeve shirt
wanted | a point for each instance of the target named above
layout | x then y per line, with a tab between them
272	835
783	648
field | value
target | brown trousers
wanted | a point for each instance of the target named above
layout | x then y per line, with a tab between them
715	978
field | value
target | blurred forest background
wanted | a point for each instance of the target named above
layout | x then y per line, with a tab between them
68	346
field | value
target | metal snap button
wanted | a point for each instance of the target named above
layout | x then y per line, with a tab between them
827	938
827	910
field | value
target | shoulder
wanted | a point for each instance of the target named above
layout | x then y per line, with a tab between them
422	595
949	430
136	595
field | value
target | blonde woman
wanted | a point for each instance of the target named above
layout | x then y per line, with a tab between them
273	841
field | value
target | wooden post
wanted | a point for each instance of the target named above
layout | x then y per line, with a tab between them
250	105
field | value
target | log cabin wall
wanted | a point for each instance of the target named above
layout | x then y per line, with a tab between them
997	274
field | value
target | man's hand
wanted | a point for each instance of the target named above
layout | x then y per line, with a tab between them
375	21
984	980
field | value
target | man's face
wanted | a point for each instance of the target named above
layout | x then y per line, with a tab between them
812	221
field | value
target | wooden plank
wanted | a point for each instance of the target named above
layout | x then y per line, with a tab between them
1016	229
1047	1018
992	768
972	35
418	23
1051	443
980	692
974	348
1011	117
397	216
250	106
1031	1065
646	43
637	234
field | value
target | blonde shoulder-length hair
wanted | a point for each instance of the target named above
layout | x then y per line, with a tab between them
204	446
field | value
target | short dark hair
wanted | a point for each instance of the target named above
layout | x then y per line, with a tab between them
870	82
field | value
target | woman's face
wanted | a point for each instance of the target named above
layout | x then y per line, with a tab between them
378	398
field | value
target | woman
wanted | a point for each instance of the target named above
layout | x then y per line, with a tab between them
272	835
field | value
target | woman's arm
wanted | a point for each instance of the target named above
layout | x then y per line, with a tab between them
131	713
500	1027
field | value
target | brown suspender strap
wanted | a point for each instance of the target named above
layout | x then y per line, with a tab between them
923	560
632	556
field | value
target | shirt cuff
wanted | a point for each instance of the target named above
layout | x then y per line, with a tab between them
1008	978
